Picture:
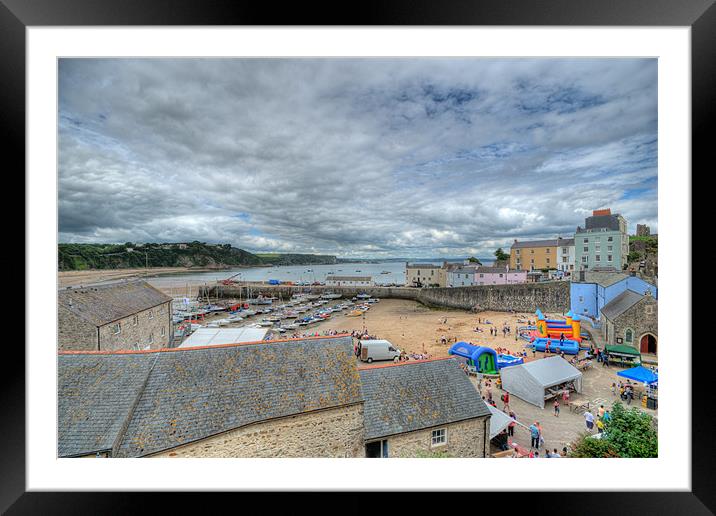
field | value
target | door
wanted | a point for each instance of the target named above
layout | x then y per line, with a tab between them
648	344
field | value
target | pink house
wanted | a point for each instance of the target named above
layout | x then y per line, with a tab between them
499	276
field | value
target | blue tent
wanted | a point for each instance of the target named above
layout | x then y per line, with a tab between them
640	374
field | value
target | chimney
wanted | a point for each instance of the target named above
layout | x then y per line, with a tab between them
606	211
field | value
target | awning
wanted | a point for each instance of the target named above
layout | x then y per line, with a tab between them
498	422
640	374
623	350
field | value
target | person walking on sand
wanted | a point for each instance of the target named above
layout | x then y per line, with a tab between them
589	420
534	434
506	401
556	408
511	426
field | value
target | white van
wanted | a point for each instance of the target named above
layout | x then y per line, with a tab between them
369	350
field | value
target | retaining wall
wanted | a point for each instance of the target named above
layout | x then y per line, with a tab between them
524	297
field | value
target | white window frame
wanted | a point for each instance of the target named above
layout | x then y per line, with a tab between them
151	314
438	437
117	329
135	320
164	331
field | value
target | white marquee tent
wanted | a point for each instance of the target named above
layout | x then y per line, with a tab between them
531	380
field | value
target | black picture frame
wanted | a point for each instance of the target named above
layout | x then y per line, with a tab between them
17	15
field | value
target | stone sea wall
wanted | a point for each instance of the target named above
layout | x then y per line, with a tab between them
525	297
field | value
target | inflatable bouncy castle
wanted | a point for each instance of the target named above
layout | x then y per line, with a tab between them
486	360
549	332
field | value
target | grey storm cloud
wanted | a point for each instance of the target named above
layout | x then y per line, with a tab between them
388	157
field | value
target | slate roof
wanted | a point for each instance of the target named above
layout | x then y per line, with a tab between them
95	396
556	242
348	278
407	397
103	304
621	304
422	266
605	279
195	393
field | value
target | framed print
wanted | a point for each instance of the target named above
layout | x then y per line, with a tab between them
264	247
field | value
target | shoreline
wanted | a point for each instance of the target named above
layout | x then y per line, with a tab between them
94	276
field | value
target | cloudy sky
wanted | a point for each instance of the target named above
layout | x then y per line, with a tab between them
353	157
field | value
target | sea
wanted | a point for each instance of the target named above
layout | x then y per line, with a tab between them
383	273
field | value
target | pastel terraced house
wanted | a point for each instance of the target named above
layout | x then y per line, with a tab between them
499	276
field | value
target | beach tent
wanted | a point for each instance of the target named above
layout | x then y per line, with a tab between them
640	374
498	421
530	381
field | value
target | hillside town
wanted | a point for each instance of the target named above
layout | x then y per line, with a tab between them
562	331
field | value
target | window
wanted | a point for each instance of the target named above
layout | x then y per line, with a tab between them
586	249
609	257
584	259
586	240
482	275
610	248
597	258
548	250
151	338
547	260
439	437
581	299
609	239
164	331
648	310
151	314
117	329
532	251
500	275
628	335
135	320
517	252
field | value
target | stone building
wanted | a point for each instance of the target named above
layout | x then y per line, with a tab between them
632	319
119	316
415	409
642	230
298	398
289	398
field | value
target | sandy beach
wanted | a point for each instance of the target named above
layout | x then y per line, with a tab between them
88	277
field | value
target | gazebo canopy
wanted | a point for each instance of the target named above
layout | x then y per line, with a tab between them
640	374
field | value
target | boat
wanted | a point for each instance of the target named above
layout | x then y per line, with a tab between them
385	272
331	296
363	296
354	313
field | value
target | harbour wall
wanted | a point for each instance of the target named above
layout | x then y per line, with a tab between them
524	297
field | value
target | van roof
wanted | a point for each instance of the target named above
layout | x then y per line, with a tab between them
375	341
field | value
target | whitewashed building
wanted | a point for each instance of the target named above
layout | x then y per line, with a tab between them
349	281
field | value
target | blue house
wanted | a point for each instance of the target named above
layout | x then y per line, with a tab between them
592	291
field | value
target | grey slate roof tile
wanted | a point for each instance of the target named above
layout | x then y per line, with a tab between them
195	393
409	397
95	394
621	304
103	304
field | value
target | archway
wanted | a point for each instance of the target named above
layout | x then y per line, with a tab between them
647	343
